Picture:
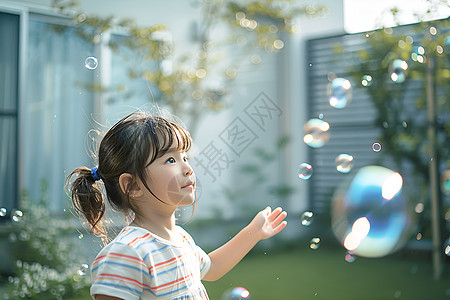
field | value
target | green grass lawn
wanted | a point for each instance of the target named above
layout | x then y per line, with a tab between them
305	274
324	274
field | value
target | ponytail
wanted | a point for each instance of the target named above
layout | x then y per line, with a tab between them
87	198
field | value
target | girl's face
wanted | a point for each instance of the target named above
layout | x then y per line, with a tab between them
172	179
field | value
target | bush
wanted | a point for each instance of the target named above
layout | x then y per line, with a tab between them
42	245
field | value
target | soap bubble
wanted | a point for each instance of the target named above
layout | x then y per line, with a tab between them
344	163
397	70
305	171
91	63
445	182
317	133
17	215
366	80
2	212
307	218
376	147
447	247
370	216
349	257
83	269
314	243
236	293
340	92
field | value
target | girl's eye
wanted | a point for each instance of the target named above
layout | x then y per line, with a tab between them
171	160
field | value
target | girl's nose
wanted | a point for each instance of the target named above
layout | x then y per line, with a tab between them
189	170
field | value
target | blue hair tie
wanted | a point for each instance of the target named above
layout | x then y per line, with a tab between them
94	174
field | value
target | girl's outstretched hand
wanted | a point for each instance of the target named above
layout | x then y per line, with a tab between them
268	223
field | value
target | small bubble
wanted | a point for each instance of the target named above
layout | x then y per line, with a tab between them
314	243
310	65
236	293
305	171
91	63
83	269
255	59
419	236
316	133
419	208
433	30
376	147
447	247
349	257
80	236
2	212
307	218
397	70
344	163
17	215
366	80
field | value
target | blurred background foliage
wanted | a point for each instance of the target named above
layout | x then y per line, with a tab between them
45	258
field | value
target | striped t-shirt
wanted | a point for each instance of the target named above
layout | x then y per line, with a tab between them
140	265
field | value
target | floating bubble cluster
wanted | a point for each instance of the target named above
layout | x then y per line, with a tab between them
236	293
370	216
2	212
344	163
307	218
397	70
91	63
316	133
340	92
305	171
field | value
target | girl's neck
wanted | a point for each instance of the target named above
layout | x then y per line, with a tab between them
161	225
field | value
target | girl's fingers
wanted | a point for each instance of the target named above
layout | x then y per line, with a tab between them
279	228
279	218
275	213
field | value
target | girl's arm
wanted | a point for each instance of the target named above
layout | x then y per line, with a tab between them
266	224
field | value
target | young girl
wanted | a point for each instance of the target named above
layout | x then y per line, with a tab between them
143	165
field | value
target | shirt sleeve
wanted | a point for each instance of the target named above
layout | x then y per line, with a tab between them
205	261
118	271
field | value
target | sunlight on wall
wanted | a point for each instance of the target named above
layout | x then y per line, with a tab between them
366	15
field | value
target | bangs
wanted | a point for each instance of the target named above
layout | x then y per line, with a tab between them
167	135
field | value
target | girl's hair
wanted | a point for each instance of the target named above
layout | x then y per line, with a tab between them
128	147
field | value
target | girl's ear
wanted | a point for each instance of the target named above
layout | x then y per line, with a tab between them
129	186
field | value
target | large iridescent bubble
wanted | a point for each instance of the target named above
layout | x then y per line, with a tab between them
370	216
